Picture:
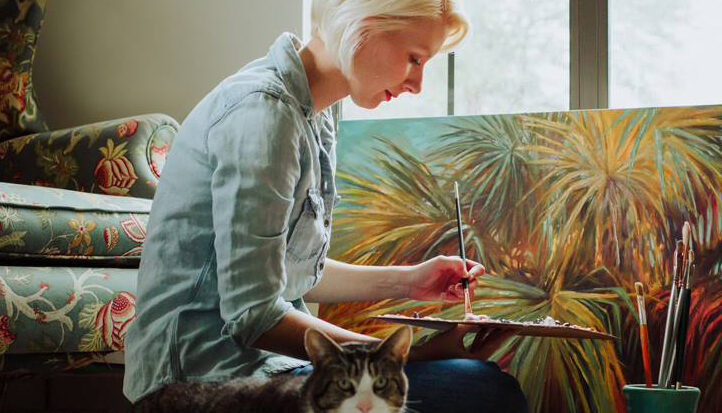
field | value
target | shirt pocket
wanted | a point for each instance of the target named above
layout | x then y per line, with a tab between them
308	236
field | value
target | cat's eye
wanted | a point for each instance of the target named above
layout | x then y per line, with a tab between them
380	383
344	384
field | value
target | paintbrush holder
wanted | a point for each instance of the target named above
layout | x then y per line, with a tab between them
641	399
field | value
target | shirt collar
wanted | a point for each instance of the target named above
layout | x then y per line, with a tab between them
284	53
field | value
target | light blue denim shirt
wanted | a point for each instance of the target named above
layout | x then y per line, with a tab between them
238	231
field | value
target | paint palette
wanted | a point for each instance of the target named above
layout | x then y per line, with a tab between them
547	327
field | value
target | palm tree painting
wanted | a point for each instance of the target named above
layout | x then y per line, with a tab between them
567	210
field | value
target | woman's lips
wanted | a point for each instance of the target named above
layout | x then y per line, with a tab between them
388	95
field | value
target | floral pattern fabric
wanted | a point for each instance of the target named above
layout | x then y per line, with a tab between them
117	157
57	224
20	24
65	309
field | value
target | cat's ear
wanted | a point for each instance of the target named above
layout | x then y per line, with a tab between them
319	346
397	345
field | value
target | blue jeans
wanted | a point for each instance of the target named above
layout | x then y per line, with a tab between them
459	386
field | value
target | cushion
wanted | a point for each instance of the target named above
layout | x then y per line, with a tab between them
48	224
65	309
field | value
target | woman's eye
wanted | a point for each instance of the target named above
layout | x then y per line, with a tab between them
416	61
344	384
380	382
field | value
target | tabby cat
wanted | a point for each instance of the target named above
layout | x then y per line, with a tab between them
353	377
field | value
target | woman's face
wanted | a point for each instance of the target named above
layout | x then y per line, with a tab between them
390	63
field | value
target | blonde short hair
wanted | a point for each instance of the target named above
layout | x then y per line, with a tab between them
340	23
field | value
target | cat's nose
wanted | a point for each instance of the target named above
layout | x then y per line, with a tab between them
364	406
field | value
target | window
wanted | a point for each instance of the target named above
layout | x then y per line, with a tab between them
517	59
523	55
664	52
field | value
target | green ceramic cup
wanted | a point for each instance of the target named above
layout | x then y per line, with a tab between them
641	399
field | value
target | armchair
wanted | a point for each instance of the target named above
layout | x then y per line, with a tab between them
74	204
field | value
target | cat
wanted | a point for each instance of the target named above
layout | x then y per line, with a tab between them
353	377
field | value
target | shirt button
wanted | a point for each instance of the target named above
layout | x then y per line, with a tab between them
325	223
320	265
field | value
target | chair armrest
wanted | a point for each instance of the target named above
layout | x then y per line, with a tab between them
118	157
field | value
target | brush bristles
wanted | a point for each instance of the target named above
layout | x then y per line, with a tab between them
686	232
639	288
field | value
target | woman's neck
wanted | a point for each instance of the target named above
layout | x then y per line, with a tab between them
325	79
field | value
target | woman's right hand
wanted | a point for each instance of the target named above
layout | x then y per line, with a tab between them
450	344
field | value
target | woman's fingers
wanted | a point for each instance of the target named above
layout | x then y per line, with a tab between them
471	264
476	271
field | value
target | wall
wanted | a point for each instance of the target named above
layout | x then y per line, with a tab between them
104	59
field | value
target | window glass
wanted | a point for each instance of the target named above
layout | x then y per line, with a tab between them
664	52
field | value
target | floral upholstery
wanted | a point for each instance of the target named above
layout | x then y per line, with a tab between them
74	205
65	309
38	223
117	157
20	23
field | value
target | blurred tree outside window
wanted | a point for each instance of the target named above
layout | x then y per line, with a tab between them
664	53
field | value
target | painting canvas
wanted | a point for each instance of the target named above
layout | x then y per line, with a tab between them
567	210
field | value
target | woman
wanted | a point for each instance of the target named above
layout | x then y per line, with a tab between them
241	221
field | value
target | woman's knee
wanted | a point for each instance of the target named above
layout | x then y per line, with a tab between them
484	383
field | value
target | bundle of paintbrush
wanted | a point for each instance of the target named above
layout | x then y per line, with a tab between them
671	366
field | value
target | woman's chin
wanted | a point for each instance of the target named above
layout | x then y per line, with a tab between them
368	104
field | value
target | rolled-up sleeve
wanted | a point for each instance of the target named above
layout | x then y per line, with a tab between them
254	153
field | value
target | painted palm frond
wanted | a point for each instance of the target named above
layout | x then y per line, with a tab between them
402	213
610	173
487	154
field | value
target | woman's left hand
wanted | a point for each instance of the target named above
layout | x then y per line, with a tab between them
439	279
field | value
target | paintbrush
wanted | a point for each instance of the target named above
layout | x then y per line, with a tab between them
669	325
643	335
462	252
682	319
672	357
686	241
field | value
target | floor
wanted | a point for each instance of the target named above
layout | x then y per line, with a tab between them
66	393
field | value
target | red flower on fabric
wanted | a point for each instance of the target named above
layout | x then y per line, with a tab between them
110	235
160	150
114	173
7	337
113	319
127	129
134	230
40	316
13	88
158	155
71	298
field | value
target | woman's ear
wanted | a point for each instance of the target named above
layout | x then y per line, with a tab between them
320	347
397	345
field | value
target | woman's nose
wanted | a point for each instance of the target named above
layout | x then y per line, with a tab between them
413	81
413	86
